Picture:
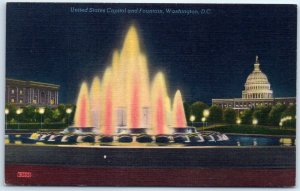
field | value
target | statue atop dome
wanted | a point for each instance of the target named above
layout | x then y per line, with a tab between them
256	65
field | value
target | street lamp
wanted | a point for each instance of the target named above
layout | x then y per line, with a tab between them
69	111
41	112
18	112
238	121
254	122
192	119
203	120
205	114
6	113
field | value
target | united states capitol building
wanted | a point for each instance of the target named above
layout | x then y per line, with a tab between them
257	92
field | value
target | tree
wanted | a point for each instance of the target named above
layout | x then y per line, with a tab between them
215	114
275	114
196	109
261	114
246	116
289	112
11	117
229	116
48	115
29	114
56	115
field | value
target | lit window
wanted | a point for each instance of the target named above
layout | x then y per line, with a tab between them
21	92
34	101
12	100
12	91
52	101
21	101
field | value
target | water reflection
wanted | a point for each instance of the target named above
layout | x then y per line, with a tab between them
246	140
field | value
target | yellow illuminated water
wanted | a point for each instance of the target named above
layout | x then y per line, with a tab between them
95	98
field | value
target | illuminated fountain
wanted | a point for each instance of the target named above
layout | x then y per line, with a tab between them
178	115
82	115
107	117
160	106
126	99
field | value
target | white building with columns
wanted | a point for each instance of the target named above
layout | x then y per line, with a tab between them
22	93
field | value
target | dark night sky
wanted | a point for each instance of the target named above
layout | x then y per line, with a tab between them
206	56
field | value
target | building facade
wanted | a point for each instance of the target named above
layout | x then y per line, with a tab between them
257	92
24	93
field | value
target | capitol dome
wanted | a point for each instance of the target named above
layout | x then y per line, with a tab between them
257	85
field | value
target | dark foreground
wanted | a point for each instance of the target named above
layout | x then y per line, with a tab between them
153	166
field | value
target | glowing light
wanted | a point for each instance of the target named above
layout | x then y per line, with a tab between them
286	141
19	111
82	114
178	116
203	119
206	113
69	110
192	118
41	110
238	121
254	121
6	111
286	118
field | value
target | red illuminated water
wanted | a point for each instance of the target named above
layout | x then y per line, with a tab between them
180	119
178	116
160	121
82	115
108	112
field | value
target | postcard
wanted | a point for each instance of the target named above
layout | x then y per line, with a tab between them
103	94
